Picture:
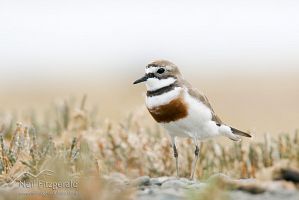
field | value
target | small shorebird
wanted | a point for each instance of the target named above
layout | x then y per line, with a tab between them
181	109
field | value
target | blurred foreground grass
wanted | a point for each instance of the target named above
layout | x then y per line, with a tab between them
71	141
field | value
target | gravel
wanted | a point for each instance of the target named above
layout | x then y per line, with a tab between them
172	188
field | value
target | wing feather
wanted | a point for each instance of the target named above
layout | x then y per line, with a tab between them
202	98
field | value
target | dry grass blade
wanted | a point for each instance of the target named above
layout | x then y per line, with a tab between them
130	147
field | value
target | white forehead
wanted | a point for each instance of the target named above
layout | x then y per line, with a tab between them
154	69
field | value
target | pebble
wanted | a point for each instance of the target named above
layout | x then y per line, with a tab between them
176	184
188	181
169	188
141	181
173	188
159	181
197	186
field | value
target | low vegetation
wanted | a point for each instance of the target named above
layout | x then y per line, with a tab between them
74	142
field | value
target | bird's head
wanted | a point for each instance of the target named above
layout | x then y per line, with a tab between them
159	74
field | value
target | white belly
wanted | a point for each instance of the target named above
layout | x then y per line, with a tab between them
198	124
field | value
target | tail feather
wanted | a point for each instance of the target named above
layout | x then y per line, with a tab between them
238	132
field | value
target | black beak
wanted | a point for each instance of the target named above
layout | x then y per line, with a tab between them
143	79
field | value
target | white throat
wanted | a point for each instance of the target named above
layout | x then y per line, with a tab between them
153	84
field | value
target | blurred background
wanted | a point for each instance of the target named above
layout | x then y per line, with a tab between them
242	54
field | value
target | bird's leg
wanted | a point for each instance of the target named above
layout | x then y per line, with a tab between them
196	153
176	156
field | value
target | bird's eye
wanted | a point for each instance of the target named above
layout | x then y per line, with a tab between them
161	71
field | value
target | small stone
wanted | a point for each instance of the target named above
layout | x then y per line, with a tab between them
172	191
280	185
197	186
174	184
252	188
141	181
147	191
159	181
188	181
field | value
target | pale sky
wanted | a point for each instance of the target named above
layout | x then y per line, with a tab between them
60	38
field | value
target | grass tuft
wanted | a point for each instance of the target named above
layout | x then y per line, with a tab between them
73	142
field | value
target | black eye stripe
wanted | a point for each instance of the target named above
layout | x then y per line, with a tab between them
152	75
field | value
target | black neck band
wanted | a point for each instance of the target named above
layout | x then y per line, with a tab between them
161	90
